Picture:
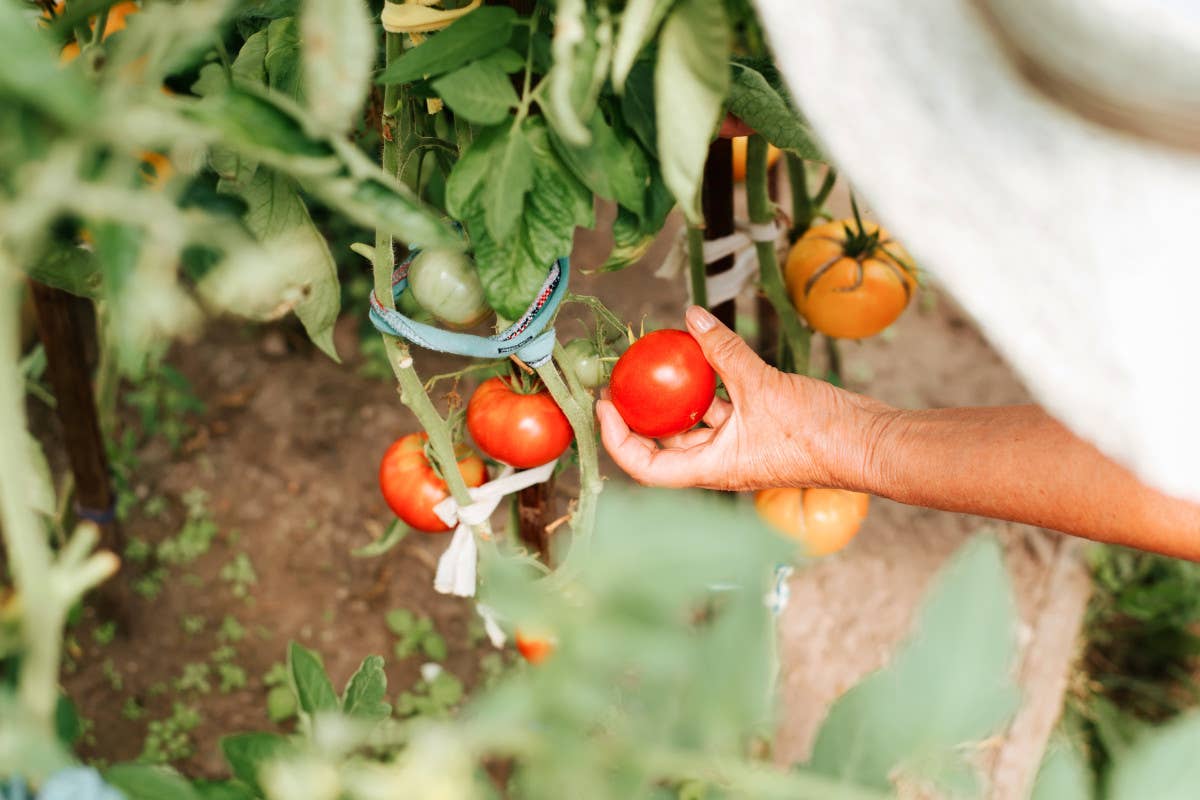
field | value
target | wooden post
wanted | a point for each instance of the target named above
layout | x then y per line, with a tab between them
535	510
716	201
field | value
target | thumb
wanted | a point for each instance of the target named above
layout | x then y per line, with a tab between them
727	352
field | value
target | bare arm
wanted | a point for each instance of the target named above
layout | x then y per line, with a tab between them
1013	463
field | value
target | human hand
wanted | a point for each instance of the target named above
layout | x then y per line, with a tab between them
777	429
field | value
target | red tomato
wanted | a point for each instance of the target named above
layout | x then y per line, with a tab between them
534	649
411	486
662	385
523	430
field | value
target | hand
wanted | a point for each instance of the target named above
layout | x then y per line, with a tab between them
776	429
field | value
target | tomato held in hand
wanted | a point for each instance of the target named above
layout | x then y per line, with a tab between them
824	520
662	385
411	486
849	281
740	145
446	285
520	429
534	649
583	360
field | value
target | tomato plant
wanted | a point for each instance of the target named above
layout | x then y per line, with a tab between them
521	428
823	520
662	384
849	279
412	487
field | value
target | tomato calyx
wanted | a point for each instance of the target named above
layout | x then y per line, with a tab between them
860	246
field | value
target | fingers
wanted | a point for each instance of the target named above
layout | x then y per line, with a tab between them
718	413
727	352
642	458
688	439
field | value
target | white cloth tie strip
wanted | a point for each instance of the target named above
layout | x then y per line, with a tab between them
456	567
726	285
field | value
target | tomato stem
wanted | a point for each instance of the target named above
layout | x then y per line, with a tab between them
802	201
796	335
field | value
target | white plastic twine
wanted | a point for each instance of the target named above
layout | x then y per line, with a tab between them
456	567
727	285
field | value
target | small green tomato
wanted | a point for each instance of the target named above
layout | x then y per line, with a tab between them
445	284
584	361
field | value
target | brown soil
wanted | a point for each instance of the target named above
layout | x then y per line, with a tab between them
287	452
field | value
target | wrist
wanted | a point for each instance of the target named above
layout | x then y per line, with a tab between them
868	433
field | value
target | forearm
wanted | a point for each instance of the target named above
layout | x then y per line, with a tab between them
1017	463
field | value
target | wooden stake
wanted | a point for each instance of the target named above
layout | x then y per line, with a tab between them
535	512
716	201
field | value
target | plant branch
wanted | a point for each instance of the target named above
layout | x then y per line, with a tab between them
796	335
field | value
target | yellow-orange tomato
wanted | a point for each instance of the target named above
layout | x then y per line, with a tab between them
739	157
115	22
847	281
534	649
156	169
824	520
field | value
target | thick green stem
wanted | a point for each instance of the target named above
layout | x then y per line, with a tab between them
412	391
579	414
29	557
696	266
802	204
796	335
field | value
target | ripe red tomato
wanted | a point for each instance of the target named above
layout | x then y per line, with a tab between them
523	430
662	385
534	649
411	486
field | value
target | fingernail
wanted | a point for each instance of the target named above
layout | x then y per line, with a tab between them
700	319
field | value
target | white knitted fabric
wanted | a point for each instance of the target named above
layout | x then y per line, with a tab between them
1072	245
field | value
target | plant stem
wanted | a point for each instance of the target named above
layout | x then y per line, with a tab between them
579	414
412	391
696	266
29	557
796	335
802	202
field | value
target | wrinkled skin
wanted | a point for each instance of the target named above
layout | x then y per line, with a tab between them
777	429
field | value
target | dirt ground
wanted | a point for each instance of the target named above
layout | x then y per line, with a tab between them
287	452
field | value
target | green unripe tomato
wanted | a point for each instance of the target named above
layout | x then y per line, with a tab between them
446	285
584	361
409	307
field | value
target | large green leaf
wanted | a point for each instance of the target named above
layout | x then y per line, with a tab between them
637	105
223	790
250	65
306	283
756	103
364	695
480	92
476	35
67	267
250	122
639	22
504	190
582	47
690	83
313	690
146	782
1161	765
281	59
470	171
339	52
604	166
950	684
247	753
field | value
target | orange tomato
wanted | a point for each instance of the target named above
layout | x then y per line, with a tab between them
849	281
739	157
159	171
115	22
824	520
534	649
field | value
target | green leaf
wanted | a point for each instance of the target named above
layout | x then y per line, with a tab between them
511	275
247	753
479	92
1063	775
400	621
950	684
580	48
604	166
281	704
222	790
365	692
474	36
504	191
395	533
70	268
339	51
281	59
637	105
1162	764
30	72
467	177
146	782
753	101
306	282
639	22
507	59
434	647
690	83
249	122
313	690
